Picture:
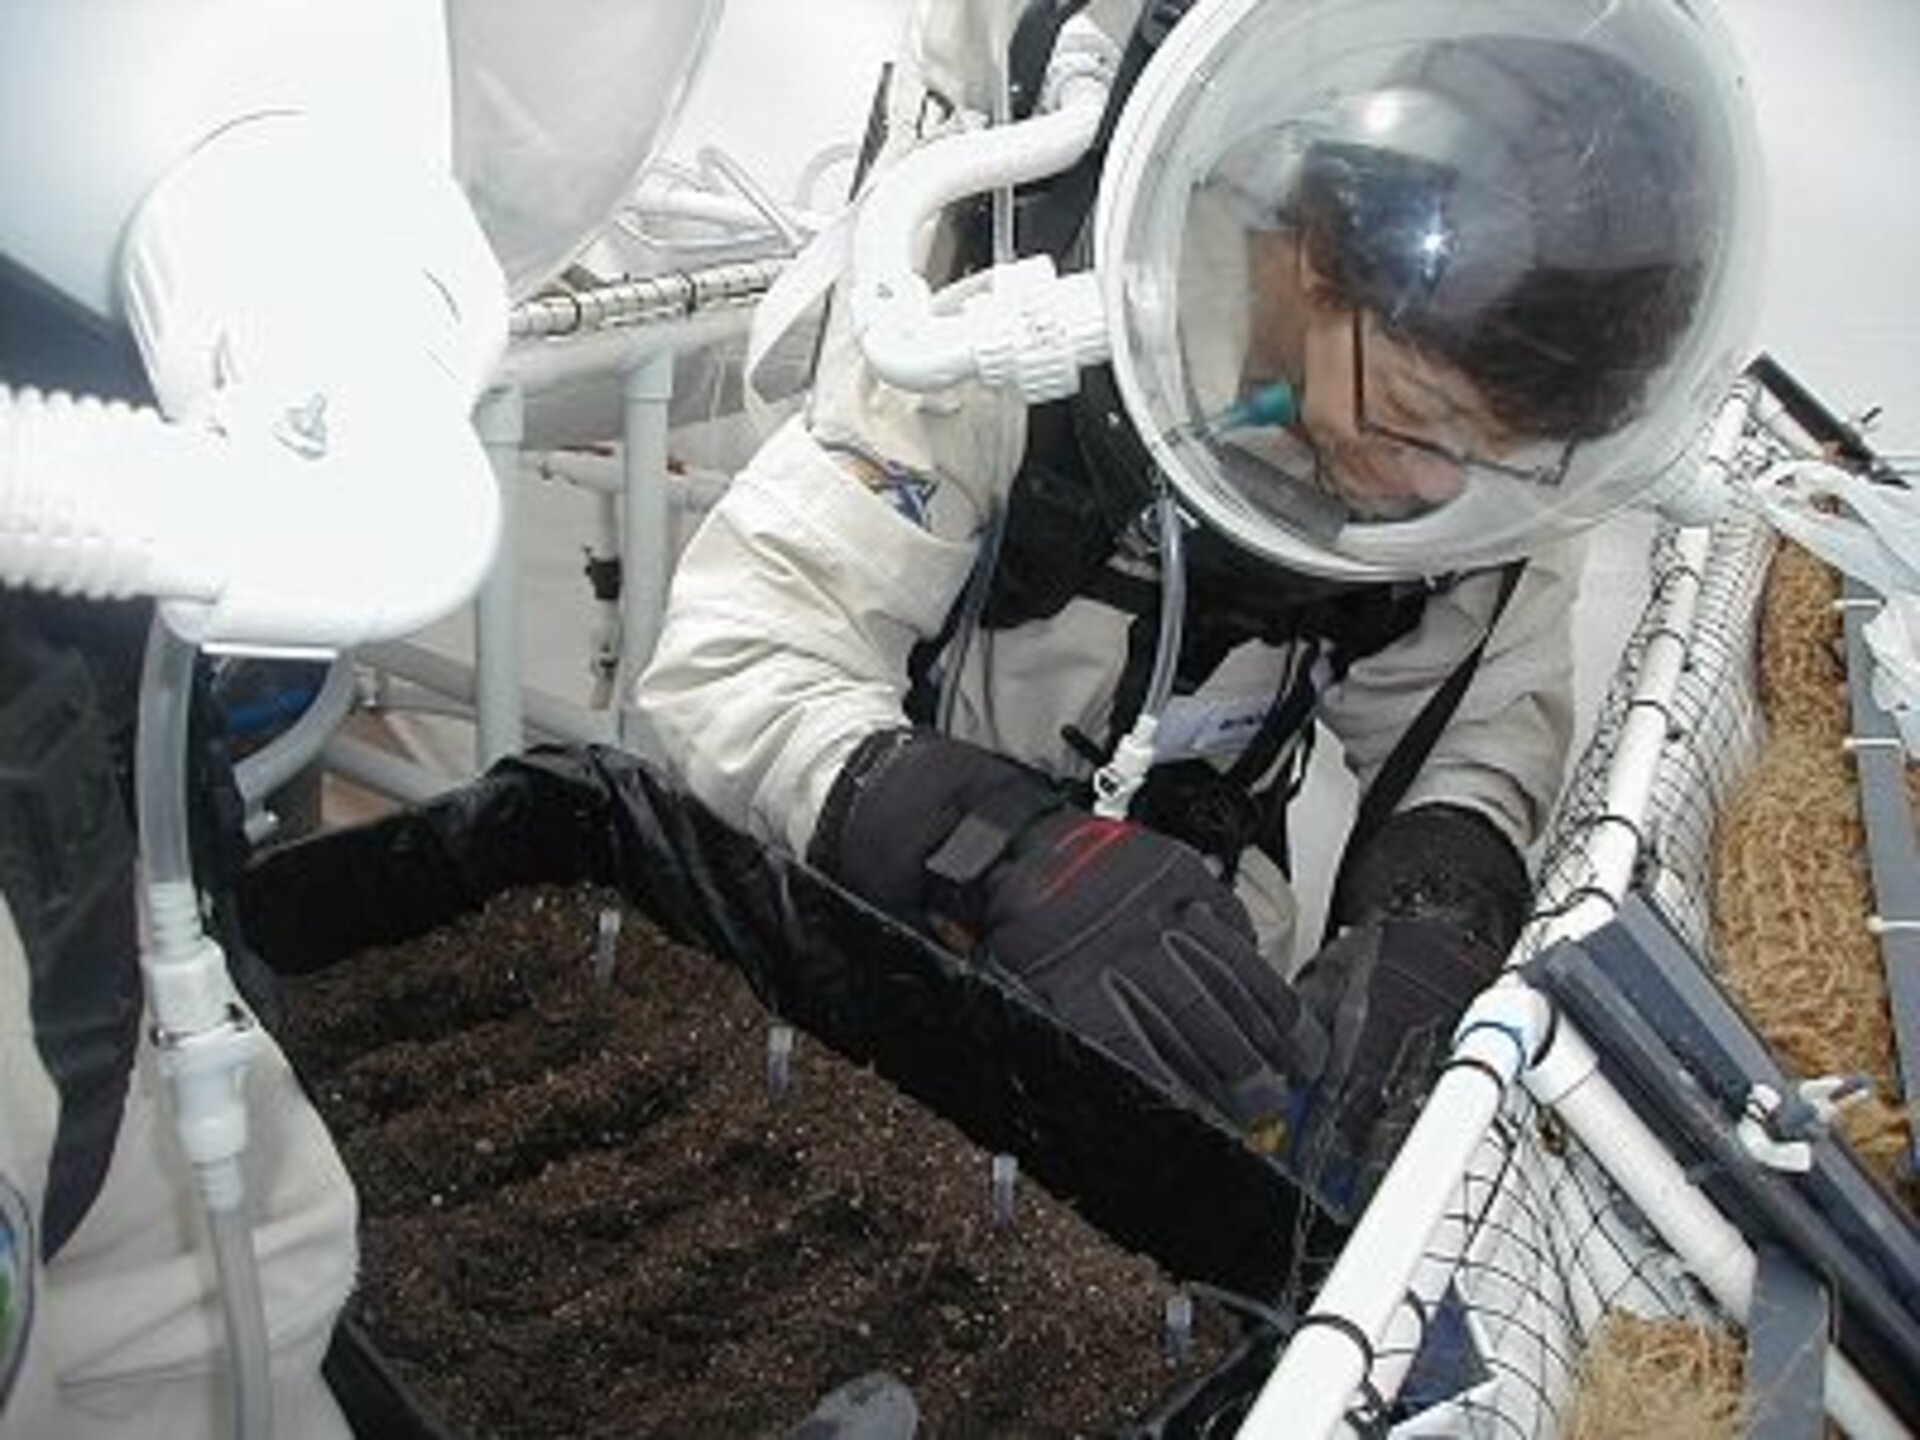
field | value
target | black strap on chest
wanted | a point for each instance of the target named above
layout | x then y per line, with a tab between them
1410	751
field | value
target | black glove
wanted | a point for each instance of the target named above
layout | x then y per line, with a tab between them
1389	993
1121	932
1441	894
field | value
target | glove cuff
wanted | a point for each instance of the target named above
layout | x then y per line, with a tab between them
915	821
1444	863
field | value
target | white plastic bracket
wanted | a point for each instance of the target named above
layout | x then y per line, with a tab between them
1785	1141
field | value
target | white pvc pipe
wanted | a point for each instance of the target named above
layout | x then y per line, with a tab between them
549	715
1700	494
692	492
398	697
1612	844
646	518
500	419
1319	1372
384	773
606	630
1568	1078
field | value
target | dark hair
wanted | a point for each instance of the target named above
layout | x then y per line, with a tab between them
1569	355
1556	253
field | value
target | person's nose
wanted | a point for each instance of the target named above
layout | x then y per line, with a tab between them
1412	473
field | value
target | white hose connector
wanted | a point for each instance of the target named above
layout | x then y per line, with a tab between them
1116	782
188	989
207	1071
1036	330
1030	329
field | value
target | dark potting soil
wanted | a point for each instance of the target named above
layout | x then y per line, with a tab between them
586	1213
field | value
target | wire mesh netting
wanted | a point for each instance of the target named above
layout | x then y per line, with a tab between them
1537	1249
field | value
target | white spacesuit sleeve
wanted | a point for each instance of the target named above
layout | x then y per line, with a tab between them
1503	753
788	629
843	544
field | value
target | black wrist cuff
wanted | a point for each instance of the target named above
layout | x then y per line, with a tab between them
870	758
916	820
1444	863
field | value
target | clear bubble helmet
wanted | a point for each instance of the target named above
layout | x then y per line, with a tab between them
1400	288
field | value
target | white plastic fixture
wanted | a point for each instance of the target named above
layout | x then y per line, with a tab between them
1026	328
314	300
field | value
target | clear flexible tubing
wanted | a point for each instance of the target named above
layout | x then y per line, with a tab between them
980	584
1173	604
160	791
1116	782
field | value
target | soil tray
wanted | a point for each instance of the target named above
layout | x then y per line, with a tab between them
589	1208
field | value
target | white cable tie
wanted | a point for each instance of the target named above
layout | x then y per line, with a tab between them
1882	925
1851	743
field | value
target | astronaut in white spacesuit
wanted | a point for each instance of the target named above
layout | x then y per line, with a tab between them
313	219
1430	298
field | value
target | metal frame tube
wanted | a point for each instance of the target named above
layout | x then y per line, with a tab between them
501	420
547	714
646	521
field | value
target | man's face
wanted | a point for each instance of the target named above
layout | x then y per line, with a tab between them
1395	429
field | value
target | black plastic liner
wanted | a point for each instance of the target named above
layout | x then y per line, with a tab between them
1155	1177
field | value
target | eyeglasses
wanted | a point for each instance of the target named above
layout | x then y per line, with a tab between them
1455	436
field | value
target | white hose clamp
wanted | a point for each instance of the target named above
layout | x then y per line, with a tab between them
1082	52
1036	330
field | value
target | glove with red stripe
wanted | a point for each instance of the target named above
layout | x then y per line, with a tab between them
1123	933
